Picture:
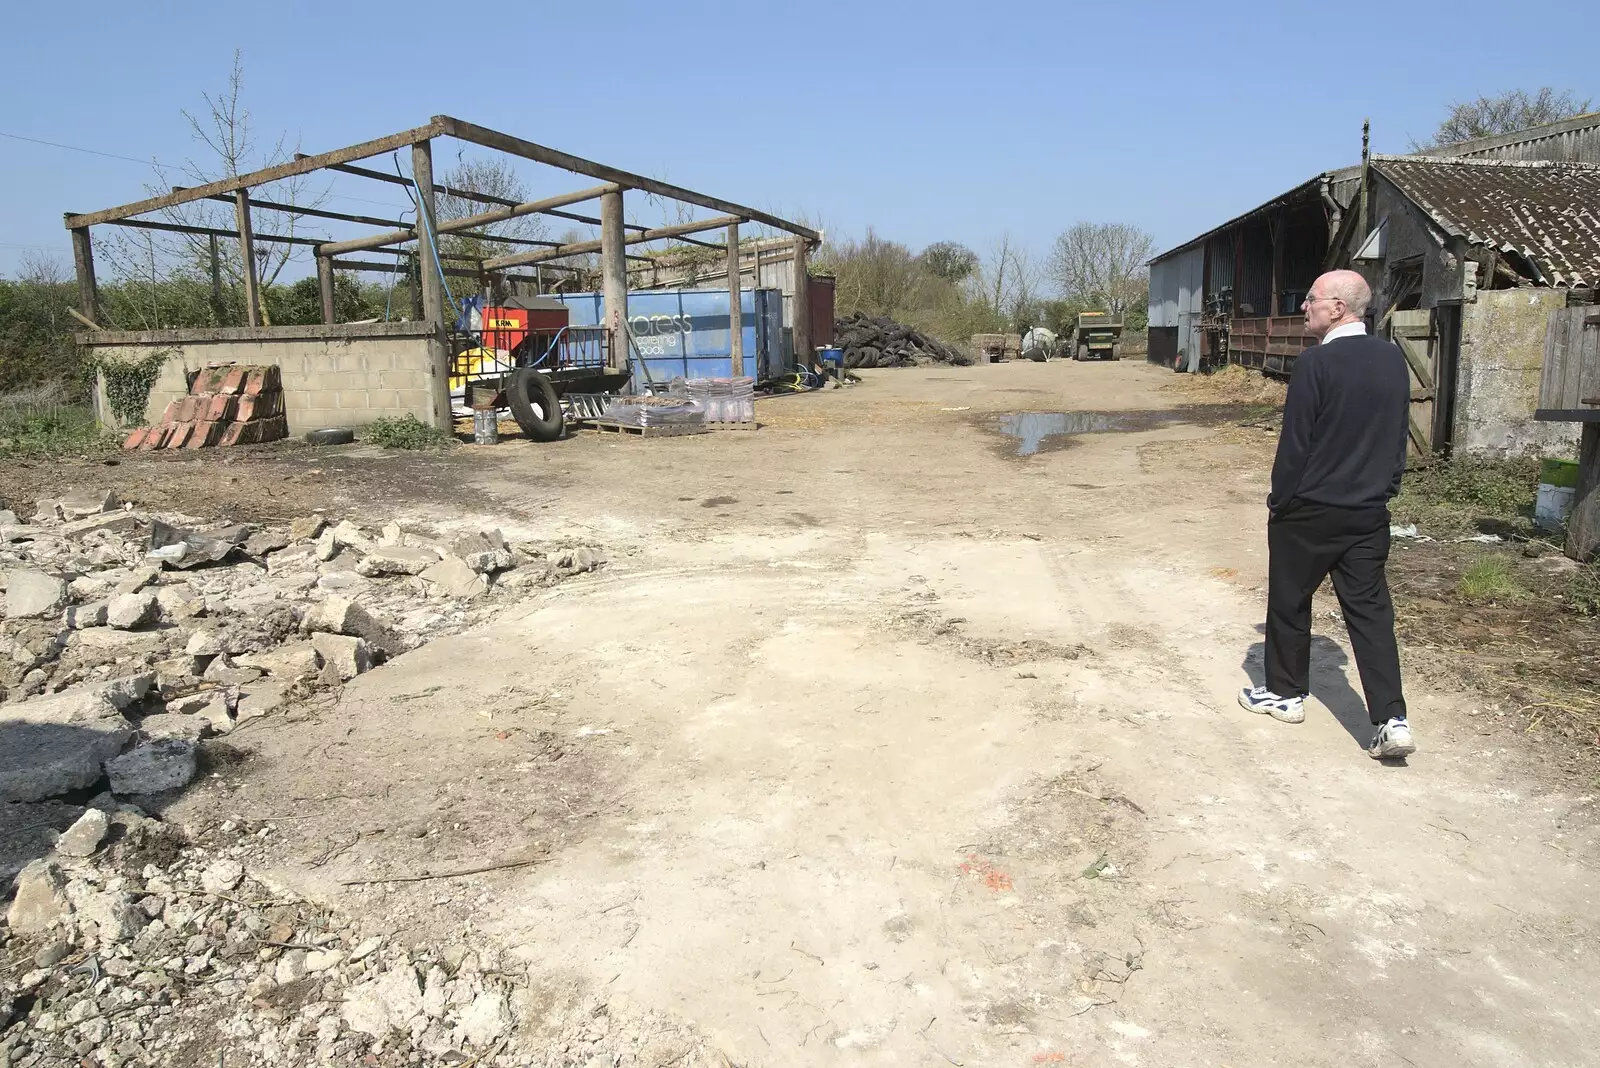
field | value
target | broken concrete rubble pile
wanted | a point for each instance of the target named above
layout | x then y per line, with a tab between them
878	341
227	404
134	945
127	629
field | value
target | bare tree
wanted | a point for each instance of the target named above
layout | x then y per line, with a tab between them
225	130
1022	308
135	260
42	268
1101	264
997	272
1507	113
588	262
493	177
1009	281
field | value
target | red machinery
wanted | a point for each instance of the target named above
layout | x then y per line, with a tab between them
505	326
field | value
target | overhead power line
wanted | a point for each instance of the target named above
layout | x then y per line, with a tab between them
75	148
152	161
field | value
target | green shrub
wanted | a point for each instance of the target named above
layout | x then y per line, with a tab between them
405	432
39	422
1462	492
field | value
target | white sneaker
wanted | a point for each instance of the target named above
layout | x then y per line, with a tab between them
1284	709
1392	742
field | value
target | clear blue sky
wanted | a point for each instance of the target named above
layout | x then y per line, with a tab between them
926	121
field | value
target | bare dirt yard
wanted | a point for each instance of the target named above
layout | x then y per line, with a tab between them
902	731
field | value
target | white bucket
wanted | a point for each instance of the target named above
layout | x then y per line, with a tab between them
1553	505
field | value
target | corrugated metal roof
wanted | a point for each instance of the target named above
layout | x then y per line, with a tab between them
1547	212
1573	140
1308	188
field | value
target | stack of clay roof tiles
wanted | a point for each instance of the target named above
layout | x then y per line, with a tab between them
228	404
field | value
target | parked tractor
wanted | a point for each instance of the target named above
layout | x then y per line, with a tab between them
1097	337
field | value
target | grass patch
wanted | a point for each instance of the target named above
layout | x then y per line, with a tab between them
405	432
1463	494
1489	579
39	422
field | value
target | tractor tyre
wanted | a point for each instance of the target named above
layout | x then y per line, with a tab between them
534	405
333	435
1082	353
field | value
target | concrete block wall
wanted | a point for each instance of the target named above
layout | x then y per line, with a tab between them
1497	376
333	376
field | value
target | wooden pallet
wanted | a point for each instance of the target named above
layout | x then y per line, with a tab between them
751	425
607	426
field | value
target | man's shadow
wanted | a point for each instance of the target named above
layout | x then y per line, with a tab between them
1328	683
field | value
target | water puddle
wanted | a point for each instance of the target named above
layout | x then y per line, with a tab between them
1039	431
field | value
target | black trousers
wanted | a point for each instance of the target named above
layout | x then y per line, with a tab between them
1306	541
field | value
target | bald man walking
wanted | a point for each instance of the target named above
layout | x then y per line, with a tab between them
1340	457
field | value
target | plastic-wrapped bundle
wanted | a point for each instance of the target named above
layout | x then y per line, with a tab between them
725	400
655	411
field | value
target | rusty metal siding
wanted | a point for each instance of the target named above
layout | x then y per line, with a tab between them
1253	290
1305	247
819	298
1219	257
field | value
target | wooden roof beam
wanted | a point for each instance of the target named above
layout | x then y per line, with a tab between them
581	247
296	209
485	218
516	146
211	231
487	198
292	169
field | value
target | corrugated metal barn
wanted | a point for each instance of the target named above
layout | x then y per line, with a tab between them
1443	239
1254	266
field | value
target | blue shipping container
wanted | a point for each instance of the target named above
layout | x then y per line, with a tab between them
685	331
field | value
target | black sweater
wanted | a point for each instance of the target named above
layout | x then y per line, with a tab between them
1344	426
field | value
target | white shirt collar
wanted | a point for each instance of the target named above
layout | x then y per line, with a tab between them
1347	330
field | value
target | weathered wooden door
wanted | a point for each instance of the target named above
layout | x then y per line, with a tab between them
1413	331
1570	381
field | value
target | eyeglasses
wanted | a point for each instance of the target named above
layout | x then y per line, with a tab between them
1313	300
